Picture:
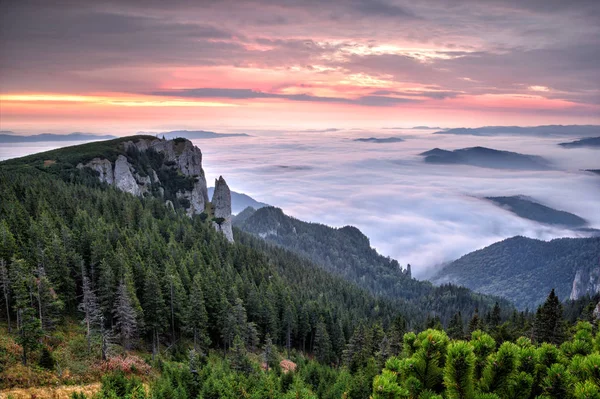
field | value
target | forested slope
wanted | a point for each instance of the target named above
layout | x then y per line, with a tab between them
524	269
347	252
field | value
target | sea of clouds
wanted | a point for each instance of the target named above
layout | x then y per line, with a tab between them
418	213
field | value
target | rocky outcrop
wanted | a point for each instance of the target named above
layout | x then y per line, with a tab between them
187	158
221	202
104	169
178	154
124	179
586	283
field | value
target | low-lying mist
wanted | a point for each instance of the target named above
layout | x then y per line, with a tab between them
416	212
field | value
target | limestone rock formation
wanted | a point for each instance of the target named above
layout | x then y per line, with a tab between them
586	282
187	158
178	154
104	169
221	202
124	179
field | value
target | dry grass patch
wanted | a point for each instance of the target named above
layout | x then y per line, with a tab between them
60	392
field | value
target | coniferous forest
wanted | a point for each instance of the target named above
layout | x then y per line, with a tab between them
102	286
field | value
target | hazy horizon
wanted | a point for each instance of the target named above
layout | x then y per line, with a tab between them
418	213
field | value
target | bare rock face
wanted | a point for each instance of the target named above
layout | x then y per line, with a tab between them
104	169
221	202
179	154
586	282
596	312
187	158
124	179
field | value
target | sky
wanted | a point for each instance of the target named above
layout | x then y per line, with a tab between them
125	66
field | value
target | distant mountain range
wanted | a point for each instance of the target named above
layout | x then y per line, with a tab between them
240	201
527	208
524	270
596	171
195	134
7	137
540	131
380	140
487	158
592	142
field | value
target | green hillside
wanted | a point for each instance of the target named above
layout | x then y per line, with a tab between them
524	269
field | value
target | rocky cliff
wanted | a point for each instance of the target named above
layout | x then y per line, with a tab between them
221	202
586	282
171	169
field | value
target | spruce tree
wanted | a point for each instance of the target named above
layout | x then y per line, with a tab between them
322	347
270	354
495	316
197	316
5	286
48	304
28	325
155	310
455	327
125	316
90	307
548	325
474	323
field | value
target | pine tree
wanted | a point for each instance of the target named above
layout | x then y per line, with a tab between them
125	315
154	309
548	325
459	371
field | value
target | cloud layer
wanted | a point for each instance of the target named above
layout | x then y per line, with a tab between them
443	61
418	213
415	212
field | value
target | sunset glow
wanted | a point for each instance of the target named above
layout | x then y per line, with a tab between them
382	62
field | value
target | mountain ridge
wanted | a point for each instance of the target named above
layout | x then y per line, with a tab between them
485	157
525	269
